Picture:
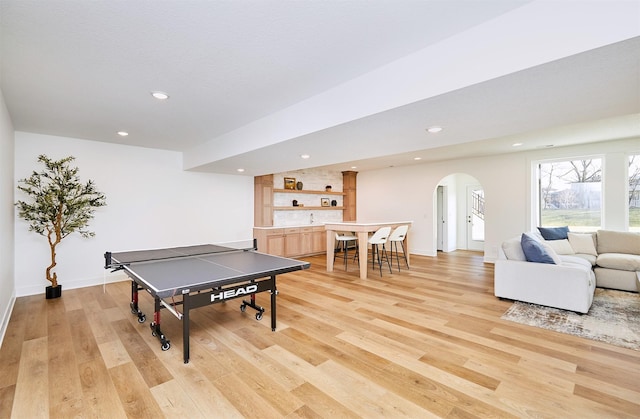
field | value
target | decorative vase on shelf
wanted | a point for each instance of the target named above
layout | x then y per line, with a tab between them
299	186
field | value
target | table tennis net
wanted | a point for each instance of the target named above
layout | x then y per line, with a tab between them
117	259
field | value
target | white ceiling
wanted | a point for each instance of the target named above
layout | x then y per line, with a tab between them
255	83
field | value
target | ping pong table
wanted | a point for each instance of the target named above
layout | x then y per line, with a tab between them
200	275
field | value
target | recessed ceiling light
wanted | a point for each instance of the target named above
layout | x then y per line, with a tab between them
305	156
160	95
516	144
354	167
417	158
434	129
123	133
240	170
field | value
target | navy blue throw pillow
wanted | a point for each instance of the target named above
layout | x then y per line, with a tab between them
534	251
554	233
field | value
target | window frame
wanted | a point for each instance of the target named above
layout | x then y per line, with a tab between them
537	186
628	191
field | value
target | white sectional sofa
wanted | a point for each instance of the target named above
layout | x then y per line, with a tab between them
569	285
607	259
618	260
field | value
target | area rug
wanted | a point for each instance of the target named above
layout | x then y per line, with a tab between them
614	317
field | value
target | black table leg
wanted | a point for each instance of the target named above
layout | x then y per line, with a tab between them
134	302
274	292
165	344
185	327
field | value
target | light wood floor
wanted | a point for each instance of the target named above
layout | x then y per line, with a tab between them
428	342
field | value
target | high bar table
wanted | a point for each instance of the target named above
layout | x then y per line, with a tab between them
200	275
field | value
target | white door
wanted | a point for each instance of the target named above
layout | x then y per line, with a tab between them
475	218
441	227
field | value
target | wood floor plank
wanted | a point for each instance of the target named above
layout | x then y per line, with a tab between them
174	401
33	383
320	403
207	399
627	406
152	370
245	399
134	393
425	342
368	397
352	398
65	390
84	343
11	350
6	400
114	353
36	317
99	393
258	372
73	300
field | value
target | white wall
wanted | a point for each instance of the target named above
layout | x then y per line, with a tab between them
409	193
7	286
151	202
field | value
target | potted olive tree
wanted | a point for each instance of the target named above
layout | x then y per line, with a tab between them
59	204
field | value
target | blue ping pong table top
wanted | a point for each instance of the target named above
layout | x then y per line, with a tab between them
168	272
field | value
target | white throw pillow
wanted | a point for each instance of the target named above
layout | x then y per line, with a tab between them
512	250
562	247
552	253
582	243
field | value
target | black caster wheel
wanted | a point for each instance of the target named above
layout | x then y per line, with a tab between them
259	315
243	307
142	318
165	346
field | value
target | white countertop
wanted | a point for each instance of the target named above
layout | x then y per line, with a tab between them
291	226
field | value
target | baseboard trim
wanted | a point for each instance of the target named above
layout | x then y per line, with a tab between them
69	285
6	316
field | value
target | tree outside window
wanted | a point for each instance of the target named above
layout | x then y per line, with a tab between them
634	192
571	194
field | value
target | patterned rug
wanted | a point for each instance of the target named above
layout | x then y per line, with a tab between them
614	317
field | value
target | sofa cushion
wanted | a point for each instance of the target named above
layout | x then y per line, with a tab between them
534	250
577	260
554	233
561	247
513	249
591	259
618	242
620	261
583	243
552	253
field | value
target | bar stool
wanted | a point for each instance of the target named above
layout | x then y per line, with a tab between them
343	240
396	236
379	238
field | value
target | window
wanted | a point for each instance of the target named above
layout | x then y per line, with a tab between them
570	194
634	192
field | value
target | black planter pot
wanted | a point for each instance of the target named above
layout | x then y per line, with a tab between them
53	292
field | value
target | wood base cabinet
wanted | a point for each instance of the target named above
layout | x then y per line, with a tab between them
318	240
291	241
270	240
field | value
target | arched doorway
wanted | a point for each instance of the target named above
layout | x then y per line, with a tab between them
459	213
